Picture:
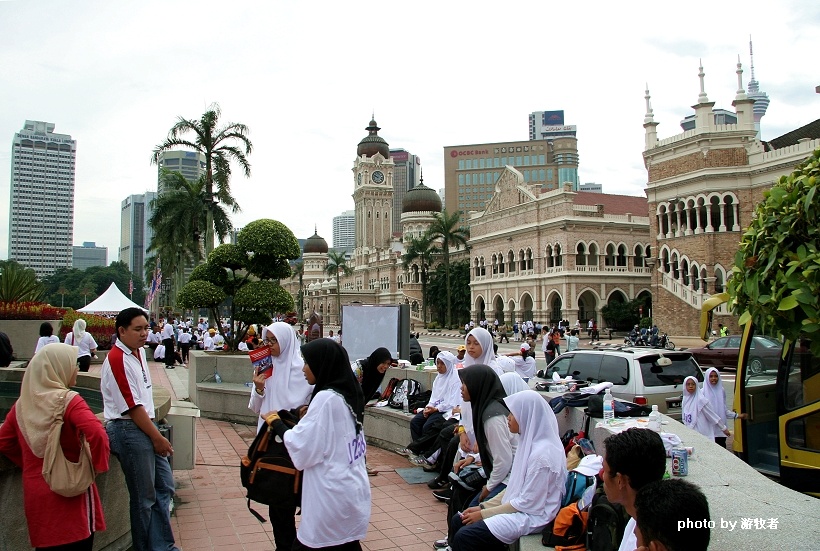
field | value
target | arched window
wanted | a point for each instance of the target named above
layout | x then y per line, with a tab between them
609	259
684	270
695	278
550	260
511	262
593	254
639	258
720	279
729	212
621	260
580	255
522	264
476	269
495	265
500	263
559	260
529	259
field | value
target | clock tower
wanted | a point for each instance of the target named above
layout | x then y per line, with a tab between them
372	194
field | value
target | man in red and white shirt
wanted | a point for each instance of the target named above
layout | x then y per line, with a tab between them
128	407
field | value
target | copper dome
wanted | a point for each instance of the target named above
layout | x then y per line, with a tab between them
373	143
315	244
421	199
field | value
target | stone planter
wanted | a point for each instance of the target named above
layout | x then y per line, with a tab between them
23	335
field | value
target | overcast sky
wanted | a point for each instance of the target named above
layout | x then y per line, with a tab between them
305	77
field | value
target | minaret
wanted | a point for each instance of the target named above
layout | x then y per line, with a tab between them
761	99
743	104
704	117
649	123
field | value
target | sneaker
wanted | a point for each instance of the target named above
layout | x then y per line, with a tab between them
431	468
418	461
441	544
443	495
404	451
170	366
437	484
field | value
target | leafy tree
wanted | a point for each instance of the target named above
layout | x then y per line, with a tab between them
622	315
336	266
18	283
776	274
459	277
247	275
220	146
422	250
299	271
446	228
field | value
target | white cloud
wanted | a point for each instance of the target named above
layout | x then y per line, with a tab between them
305	77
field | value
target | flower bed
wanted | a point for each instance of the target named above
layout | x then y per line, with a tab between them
29	311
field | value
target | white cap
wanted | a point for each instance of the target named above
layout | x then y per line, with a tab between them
590	465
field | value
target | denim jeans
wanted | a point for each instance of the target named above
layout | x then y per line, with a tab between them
150	486
495	491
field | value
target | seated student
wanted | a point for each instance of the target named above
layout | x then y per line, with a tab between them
698	413
433	353
661	506
481	349
159	353
426	425
533	495
633	459
524	362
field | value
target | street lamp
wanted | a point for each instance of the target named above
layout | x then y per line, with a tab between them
650	263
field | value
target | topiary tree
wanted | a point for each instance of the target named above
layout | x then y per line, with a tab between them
248	273
776	276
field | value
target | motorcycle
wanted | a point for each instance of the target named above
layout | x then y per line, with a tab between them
637	341
664	342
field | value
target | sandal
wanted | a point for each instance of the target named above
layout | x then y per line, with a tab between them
371	472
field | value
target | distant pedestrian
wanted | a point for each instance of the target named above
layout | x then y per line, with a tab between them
46	336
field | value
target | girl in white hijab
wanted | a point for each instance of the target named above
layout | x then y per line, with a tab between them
85	343
446	393
513	383
698	413
713	390
286	387
536	485
479	343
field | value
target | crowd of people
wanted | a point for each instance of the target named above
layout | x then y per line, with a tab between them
480	413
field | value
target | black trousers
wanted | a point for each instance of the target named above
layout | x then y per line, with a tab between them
720	441
449	449
283	524
473	536
349	546
185	346
84	362
169	351
82	545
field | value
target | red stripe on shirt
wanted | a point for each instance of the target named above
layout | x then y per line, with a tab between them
115	360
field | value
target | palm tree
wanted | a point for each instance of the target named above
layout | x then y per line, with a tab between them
220	146
446	228
421	249
337	263
299	271
179	215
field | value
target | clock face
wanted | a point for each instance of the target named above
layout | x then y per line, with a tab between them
377	177
360	178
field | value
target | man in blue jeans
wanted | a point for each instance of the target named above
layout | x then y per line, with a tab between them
135	439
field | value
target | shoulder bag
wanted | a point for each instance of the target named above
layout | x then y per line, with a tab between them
62	476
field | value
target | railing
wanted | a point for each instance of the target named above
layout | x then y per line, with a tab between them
621	269
586	268
687	294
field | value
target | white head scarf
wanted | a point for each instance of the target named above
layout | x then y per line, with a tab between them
539	447
447	386
287	385
46	379
513	383
79	330
716	394
693	405
505	363
487	357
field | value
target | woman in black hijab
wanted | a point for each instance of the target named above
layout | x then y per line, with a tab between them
330	366
373	370
482	388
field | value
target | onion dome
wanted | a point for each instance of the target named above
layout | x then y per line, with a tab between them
421	199
315	244
373	143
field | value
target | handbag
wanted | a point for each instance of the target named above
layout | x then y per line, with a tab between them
64	477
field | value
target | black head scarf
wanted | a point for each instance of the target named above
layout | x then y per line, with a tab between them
330	365
487	400
371	378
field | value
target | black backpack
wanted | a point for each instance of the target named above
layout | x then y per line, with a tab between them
406	388
389	388
595	408
571	399
268	473
606	523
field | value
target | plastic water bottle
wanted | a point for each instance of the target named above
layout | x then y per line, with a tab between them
655	419
405	405
609	409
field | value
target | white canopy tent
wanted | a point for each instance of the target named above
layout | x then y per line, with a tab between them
112	301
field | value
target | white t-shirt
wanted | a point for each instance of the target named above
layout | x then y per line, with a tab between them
42	341
630	540
84	345
125	382
208	344
184	338
336	490
525	366
159	353
167	331
153	338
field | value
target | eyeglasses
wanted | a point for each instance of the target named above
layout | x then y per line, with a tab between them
270	341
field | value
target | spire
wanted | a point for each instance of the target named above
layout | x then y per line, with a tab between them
649	117
421	177
761	98
702	96
741	94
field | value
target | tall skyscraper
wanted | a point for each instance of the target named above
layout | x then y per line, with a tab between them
135	234
190	164
406	176
89	255
41	211
344	230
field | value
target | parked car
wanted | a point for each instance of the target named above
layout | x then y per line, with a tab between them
764	353
643	375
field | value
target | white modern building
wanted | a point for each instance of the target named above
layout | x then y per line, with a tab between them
41	209
344	230
135	234
190	164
